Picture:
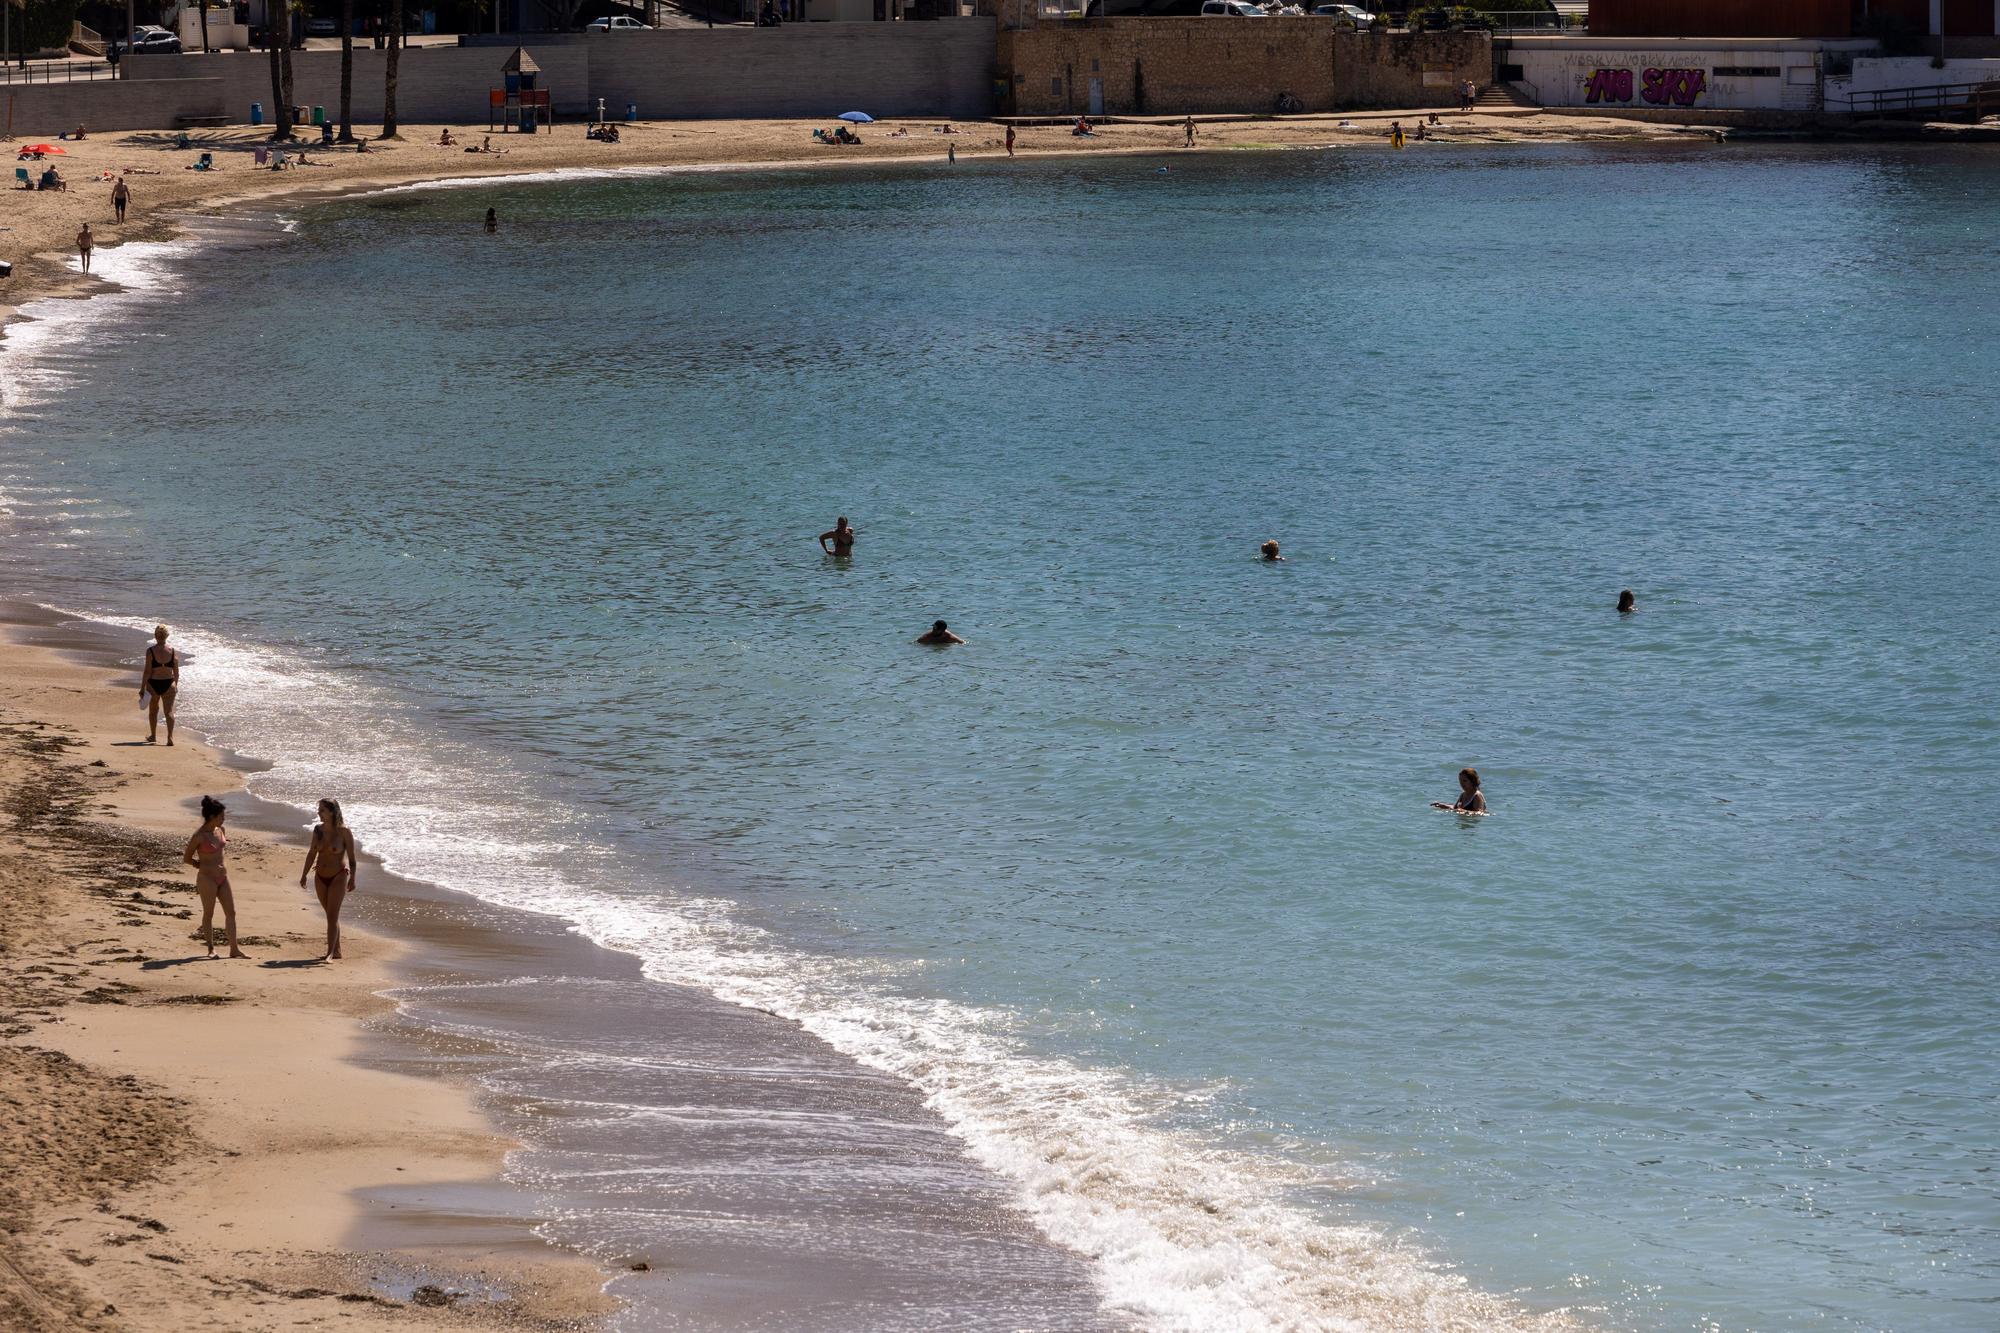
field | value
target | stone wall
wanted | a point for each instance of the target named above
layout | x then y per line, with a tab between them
1166	66
1158	66
1397	70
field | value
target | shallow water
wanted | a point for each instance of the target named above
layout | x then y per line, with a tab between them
509	542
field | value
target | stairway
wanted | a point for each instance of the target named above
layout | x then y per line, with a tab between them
1503	97
85	42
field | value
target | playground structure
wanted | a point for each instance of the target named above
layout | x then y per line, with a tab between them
518	104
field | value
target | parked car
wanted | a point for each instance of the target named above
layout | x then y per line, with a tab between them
322	27
1355	14
1231	9
618	24
148	40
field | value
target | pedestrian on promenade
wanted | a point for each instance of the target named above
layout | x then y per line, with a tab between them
120	196
84	240
1010	141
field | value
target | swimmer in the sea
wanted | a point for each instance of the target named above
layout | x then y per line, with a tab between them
841	536
1270	552
939	636
1627	603
1471	800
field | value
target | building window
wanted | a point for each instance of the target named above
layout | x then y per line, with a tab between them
1746	71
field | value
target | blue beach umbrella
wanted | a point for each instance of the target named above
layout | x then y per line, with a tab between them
858	117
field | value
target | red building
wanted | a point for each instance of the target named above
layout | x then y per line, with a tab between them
1790	18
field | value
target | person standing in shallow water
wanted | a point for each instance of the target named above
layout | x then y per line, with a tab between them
1010	141
1627	603
84	242
211	880
840	535
492	221
939	636
159	678
332	862
1269	550
1471	800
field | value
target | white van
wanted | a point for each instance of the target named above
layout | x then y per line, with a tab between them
1231	9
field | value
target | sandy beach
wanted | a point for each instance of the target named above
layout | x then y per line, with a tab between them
187	1135
38	228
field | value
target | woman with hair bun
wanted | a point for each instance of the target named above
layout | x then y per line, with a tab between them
1471	800
331	861
211	880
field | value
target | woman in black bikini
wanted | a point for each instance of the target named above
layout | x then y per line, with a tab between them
331	862
158	679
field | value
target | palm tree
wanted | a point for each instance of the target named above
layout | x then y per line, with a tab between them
274	40
389	78
347	71
205	47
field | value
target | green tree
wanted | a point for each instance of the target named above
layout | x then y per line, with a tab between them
45	25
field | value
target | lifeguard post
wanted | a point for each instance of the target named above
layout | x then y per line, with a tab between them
518	104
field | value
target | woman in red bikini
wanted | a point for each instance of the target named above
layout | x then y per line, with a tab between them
204	852
331	862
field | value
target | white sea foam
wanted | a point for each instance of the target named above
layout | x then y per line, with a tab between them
1185	1234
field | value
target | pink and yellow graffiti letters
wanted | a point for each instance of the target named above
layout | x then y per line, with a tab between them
1608	85
1674	87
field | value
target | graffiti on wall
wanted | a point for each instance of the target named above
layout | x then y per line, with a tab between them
1660	87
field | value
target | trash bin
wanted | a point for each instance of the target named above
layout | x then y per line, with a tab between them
256	113
319	115
631	112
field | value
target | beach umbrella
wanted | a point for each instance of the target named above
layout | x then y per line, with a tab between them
44	148
858	117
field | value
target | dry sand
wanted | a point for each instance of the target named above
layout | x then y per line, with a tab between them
40	227
182	1140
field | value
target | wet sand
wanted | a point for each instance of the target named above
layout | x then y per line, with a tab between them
247	1143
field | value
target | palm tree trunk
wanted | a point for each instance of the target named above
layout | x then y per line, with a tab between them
347	71
389	80
281	123
205	47
287	41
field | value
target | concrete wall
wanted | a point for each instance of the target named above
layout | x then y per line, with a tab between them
44	110
1164	66
943	68
1394	70
1880	73
1669	74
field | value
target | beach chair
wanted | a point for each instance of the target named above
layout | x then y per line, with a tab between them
263	156
21	175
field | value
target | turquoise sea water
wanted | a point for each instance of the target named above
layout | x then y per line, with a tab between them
509	542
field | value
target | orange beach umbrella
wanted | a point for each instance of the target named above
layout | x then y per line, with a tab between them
44	148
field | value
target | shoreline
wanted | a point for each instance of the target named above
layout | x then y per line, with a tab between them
396	1117
248	1112
165	195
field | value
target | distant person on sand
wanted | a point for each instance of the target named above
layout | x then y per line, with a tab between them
951	152
1269	550
332	863
120	196
842	537
492	221
939	636
1395	134
159	678
1627	603
1188	128
1010	141
1471	800
204	852
84	240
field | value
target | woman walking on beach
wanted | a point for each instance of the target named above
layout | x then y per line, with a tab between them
331	862
159	678
204	852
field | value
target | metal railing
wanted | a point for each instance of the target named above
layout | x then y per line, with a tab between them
1533	20
1977	98
57	71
